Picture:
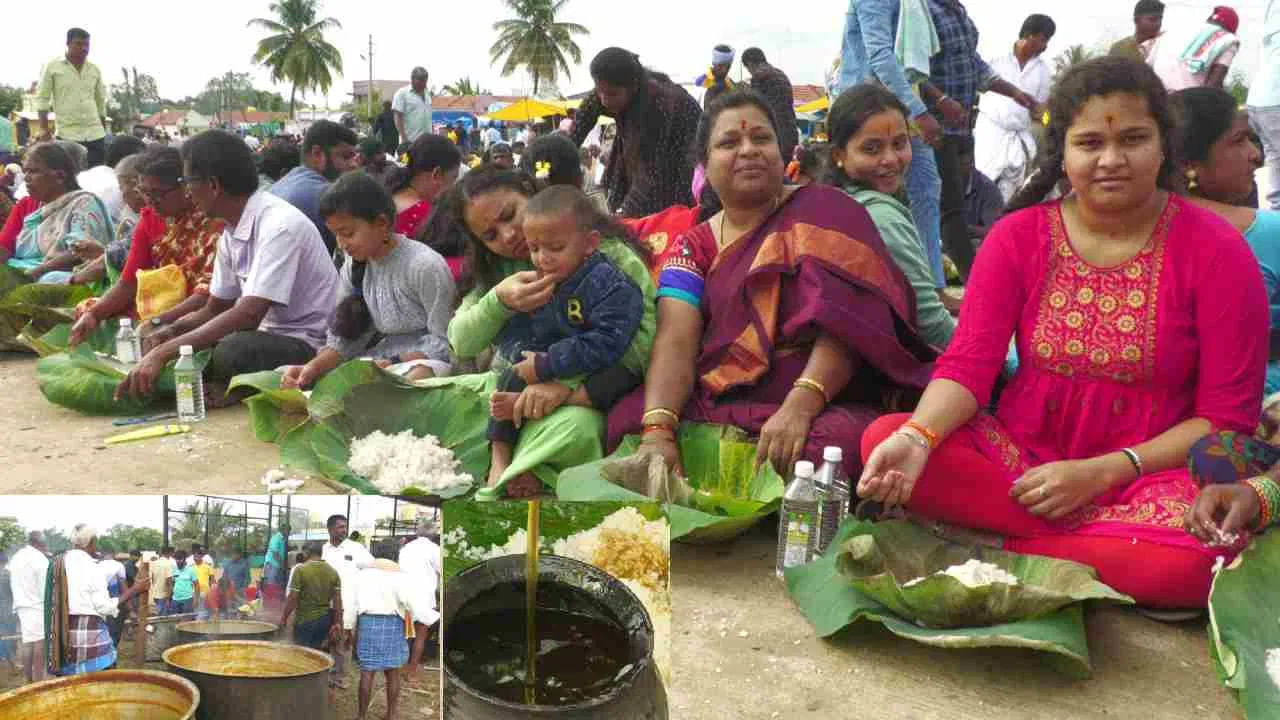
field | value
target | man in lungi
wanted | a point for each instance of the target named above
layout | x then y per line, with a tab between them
388	602
78	606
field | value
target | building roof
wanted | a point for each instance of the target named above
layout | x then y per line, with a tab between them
478	104
165	118
807	93
239	117
386	88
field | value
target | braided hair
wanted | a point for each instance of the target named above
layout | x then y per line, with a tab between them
1088	80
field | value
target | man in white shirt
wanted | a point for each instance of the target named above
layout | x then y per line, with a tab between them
27	572
113	572
274	285
384	594
412	107
347	557
1004	148
421	556
102	181
1264	99
86	646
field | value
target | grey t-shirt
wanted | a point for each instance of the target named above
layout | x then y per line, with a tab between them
410	295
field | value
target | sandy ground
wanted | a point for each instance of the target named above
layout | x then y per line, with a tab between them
1142	669
419	696
49	449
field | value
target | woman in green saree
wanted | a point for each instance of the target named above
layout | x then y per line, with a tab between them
560	426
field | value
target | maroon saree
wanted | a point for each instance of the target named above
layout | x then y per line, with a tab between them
817	265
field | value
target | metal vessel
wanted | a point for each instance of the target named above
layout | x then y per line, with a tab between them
249	680
106	695
206	630
638	693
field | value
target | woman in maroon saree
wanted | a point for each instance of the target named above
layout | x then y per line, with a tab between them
783	315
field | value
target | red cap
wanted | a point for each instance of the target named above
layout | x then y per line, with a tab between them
1226	17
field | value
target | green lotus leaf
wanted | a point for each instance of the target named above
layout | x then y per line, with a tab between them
730	495
1244	625
830	601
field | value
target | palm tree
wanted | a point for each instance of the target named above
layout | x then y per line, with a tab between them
535	41
296	50
464	86
1069	58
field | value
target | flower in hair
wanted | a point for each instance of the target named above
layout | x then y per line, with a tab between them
542	170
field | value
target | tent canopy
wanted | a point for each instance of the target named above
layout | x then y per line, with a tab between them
822	103
527	110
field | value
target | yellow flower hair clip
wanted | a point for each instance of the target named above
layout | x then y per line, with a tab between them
404	159
1044	119
542	170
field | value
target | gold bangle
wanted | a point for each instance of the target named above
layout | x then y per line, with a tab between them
813	385
664	412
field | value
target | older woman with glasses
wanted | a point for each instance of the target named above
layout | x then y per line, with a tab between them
171	230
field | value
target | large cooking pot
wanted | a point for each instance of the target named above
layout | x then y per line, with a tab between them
206	630
637	694
248	680
106	695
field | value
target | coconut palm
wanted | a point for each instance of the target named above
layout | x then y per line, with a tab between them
296	50
464	86
535	41
1069	58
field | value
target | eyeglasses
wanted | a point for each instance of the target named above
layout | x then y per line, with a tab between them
154	195
187	180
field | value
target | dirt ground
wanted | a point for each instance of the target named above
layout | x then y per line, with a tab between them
419	696
779	669
50	450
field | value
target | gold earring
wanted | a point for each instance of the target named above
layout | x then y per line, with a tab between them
840	164
1192	183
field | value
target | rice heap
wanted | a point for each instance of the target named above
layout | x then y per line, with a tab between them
1273	665
974	573
394	463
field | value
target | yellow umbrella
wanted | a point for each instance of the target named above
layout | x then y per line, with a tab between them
821	103
527	110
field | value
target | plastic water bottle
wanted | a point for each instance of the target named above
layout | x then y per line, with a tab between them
189	384
834	491
128	344
798	520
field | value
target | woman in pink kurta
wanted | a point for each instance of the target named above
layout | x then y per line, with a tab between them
1151	351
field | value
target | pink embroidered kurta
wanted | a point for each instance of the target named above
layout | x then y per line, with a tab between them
1112	357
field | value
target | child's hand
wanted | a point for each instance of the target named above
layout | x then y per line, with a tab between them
527	368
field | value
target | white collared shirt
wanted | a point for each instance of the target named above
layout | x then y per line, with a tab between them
421	557
27	572
348	558
87	587
387	592
275	252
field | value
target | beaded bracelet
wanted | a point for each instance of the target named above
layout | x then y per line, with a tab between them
929	436
1268	499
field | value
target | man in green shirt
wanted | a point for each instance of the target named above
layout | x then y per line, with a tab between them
1148	16
314	588
72	87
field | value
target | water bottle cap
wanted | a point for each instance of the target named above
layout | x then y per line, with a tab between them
804	468
185	350
833	454
126	322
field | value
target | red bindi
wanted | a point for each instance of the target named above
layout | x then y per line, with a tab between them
744	126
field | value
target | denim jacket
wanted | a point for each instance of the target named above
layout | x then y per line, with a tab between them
867	52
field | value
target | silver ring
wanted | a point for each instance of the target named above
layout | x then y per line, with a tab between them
1043	491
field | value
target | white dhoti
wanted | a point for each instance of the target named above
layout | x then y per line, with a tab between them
31	623
1003	151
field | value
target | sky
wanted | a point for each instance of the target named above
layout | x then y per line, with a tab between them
674	36
39	512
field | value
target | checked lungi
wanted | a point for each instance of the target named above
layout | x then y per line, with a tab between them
89	646
380	643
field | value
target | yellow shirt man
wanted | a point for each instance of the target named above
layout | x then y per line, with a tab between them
77	97
204	572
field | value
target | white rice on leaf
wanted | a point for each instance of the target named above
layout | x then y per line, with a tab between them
395	463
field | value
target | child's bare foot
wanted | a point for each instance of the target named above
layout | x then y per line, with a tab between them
526	485
422	372
502	405
500	453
